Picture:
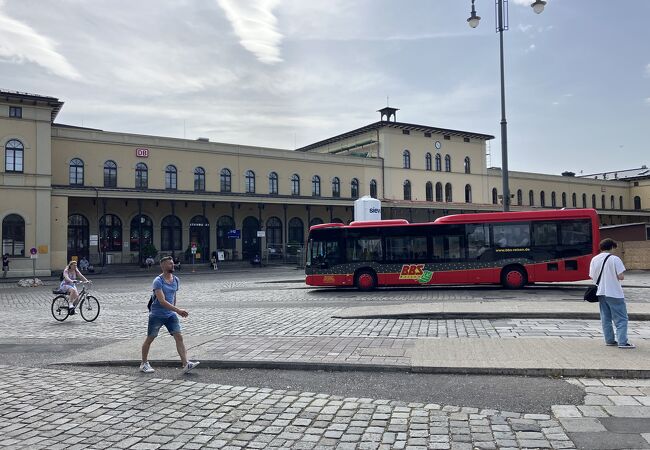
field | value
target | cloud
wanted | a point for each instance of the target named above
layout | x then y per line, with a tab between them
20	42
255	24
647	70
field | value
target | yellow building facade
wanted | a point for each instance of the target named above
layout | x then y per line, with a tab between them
70	192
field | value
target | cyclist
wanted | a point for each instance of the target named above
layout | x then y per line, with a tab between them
67	286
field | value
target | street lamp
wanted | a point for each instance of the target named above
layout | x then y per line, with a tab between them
502	24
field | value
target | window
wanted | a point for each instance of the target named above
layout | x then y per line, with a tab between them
438	192
478	240
13	235
593	201
141	229
225	183
363	248
273	183
170	234
495	196
468	165
448	196
612	202
438	163
141	176
199	179
447	137
620	202
545	233
553	199
574	200
520	197
224	225
531	198
406	158
404	248
336	187
14	156
637	202
16	111
76	172
466	139
584	200
249	177
373	188
468	193
295	184
575	233
407	190
354	188
563	199
447	163
315	186
296	230
78	236
510	235
427	161
170	177
110	174
110	233
274	236
406	132
429	191
602	202
542	199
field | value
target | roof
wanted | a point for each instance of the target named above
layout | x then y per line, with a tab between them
399	125
623	225
32	99
627	174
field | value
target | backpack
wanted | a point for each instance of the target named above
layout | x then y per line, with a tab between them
152	298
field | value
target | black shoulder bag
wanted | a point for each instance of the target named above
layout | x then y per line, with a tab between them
153	297
590	294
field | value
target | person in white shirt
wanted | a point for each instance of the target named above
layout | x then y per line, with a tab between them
610	294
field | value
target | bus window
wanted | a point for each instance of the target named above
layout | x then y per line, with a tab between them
453	247
545	233
406	248
478	240
365	248
575	233
511	235
321	251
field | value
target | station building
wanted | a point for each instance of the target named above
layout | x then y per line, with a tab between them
70	192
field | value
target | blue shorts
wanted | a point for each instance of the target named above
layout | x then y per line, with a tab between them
172	324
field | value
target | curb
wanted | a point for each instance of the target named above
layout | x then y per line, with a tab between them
640	317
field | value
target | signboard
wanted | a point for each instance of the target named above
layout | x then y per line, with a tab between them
94	239
234	234
194	249
142	152
221	256
33	251
261	234
43	249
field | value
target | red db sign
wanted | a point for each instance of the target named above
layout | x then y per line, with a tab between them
142	152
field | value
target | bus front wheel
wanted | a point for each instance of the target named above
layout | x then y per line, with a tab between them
514	277
366	280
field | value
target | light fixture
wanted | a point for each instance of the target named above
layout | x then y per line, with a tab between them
474	19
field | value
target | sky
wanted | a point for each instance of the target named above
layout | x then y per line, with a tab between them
288	73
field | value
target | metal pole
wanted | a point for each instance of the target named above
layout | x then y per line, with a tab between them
504	123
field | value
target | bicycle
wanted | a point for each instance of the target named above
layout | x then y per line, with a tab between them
87	305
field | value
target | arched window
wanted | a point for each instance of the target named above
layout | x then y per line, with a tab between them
141	230
447	163
602	201
373	188
620	202
495	196
250	182
273	183
110	233
612	202
274	236
429	191
110	174
315	186
199	179
574	200
354	188
225	182
200	236
531	198
427	161
407	190
336	187
296	231
224	225
171	177
13	235
468	193
553	199
563	199
468	165
438	163
584	200
315	221
295	184
637	202
14	156
438	192
520	197
448	196
170	234
141	176
542	199
593	201
78	236
76	172
406	157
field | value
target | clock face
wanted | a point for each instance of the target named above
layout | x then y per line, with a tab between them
438	145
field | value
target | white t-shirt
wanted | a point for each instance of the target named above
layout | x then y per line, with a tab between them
609	285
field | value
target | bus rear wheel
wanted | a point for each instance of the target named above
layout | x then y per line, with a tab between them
514	277
366	280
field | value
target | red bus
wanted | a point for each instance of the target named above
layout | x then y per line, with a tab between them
508	248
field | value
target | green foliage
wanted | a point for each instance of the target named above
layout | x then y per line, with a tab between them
149	250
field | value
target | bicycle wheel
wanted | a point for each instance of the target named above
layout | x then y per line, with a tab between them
60	308
89	308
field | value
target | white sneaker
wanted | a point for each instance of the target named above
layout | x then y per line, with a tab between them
190	365
146	367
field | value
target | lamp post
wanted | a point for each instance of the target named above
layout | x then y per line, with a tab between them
502	24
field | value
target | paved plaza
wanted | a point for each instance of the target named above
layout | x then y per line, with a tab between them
278	320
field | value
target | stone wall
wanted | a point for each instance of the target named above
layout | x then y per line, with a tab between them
635	254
